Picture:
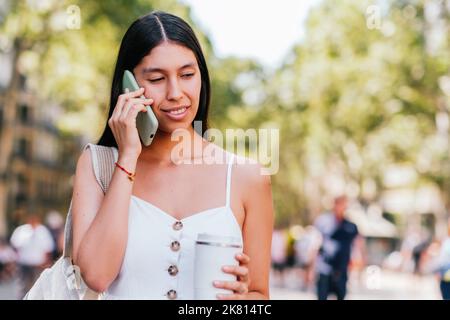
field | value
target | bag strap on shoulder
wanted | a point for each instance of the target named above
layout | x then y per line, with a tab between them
103	159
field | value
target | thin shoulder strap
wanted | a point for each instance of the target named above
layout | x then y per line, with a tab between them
230	166
103	159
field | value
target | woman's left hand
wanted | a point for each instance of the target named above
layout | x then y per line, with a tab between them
239	287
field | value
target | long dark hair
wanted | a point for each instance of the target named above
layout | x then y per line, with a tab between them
141	37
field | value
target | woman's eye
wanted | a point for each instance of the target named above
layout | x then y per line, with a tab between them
187	75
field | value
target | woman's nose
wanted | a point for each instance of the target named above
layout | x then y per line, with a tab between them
174	90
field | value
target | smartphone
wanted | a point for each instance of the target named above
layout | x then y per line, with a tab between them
146	122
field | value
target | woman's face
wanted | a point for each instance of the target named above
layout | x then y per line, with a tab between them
171	77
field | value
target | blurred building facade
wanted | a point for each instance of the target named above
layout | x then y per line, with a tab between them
42	160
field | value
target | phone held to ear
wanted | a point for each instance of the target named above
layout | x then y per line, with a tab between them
146	122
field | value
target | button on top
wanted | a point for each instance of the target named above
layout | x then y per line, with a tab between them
173	270
175	246
171	294
177	225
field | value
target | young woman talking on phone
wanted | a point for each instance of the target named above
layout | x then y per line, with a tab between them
136	240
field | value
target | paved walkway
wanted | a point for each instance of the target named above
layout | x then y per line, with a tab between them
374	284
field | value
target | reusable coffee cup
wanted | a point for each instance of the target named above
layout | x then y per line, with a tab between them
212	252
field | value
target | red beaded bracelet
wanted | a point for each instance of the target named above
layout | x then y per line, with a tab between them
129	174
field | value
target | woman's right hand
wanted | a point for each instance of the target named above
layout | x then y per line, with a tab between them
123	122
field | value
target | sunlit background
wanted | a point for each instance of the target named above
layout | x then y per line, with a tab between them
360	91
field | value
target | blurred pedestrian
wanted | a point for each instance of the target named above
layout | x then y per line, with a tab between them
417	255
338	234
8	259
411	240
55	224
290	251
358	260
306	248
444	265
279	251
34	245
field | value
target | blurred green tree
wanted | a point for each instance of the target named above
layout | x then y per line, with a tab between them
352	100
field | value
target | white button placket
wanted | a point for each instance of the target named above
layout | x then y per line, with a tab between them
173	268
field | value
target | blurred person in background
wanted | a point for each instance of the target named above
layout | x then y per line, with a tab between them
413	248
34	245
411	240
444	265
55	224
279	250
333	260
8	259
358	260
306	248
418	252
290	253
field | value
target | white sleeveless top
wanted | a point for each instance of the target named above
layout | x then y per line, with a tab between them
159	258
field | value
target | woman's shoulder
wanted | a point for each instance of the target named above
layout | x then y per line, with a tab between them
94	157
93	151
85	173
246	171
249	172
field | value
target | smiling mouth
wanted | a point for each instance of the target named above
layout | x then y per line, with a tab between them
176	110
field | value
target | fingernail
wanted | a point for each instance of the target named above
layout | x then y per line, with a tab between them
227	268
217	283
219	296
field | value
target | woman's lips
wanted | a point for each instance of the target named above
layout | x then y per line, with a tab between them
177	113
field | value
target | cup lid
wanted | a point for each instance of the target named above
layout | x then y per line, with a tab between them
219	239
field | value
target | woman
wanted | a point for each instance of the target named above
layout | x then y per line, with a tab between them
147	225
